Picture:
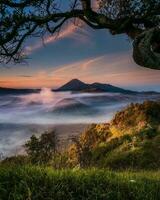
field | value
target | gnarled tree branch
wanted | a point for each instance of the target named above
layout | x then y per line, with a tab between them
140	22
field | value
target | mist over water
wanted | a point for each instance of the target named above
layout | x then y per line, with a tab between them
23	115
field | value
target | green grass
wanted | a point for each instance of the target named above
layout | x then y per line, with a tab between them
104	146
38	183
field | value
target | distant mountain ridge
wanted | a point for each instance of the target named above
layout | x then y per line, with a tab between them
79	86
12	91
76	85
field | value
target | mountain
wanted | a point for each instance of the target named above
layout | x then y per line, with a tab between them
79	86
74	85
12	91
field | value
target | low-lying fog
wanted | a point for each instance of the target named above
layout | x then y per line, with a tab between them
23	115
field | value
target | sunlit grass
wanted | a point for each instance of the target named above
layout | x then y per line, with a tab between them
45	184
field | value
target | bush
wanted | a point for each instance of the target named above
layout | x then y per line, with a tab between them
41	150
80	152
19	160
138	115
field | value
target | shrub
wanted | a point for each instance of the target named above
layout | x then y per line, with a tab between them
41	150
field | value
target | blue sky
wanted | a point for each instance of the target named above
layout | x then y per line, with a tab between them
80	52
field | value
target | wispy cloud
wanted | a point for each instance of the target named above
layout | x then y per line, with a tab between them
24	76
49	39
116	69
78	66
76	31
73	31
89	63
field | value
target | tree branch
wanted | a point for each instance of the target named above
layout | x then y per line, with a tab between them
140	23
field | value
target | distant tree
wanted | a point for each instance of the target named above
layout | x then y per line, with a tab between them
138	19
41	150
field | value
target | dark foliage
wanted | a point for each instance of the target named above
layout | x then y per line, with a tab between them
20	20
41	150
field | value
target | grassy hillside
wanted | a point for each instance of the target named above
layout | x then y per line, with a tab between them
39	183
138	116
130	143
131	140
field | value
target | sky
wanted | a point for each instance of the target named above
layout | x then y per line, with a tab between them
82	53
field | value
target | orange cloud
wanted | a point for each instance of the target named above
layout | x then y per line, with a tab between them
116	69
37	80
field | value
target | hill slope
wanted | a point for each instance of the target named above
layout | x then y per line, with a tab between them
131	140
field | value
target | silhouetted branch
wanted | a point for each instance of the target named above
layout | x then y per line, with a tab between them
27	18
